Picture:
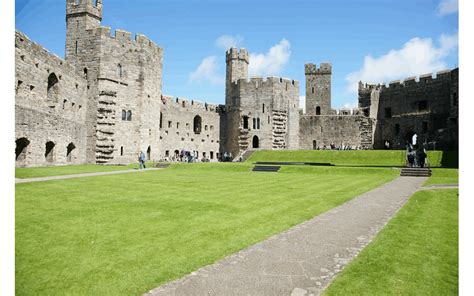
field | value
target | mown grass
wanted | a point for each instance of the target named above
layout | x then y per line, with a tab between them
443	176
49	171
415	254
391	158
126	234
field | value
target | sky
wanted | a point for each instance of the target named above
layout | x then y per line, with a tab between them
374	41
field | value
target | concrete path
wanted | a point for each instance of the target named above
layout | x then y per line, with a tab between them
440	186
304	259
42	179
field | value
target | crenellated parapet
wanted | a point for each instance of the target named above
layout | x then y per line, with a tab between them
256	82
188	105
312	69
236	54
125	37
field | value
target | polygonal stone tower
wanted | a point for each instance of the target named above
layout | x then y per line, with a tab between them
318	89
237	63
81	15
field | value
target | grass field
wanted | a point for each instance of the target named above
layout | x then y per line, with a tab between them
415	254
35	172
125	234
443	176
395	158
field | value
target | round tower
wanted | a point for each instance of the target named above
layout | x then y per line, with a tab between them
237	63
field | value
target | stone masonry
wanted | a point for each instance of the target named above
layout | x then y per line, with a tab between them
104	104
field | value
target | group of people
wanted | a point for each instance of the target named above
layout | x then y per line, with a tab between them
416	156
333	146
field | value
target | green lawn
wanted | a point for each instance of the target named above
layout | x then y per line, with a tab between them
443	176
415	254
126	234
349	157
70	170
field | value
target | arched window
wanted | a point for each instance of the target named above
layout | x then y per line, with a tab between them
255	142
53	87
124	115
49	151
314	145
119	71
318	110
197	124
85	73
245	122
129	115
70	153
258	123
21	149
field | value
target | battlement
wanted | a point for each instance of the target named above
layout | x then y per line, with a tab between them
188	104
312	69
267	81
84	7
124	36
413	81
236	54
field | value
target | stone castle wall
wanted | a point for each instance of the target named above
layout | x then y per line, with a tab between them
402	109
48	114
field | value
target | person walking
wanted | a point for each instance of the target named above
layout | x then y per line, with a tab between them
141	160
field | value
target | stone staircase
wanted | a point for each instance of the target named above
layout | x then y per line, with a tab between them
416	172
266	168
105	127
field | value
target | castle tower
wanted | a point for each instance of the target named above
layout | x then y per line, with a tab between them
81	15
318	89
237	63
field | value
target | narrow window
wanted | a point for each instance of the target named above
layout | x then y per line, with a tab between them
388	112
124	115
268	119
177	125
129	115
205	127
85	73
263	108
119	71
312	90
318	110
64	104
169	124
245	122
121	151
75	49
161	120
254	123
258	123
211	153
422	106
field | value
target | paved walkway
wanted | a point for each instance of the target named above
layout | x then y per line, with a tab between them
440	186
42	179
304	259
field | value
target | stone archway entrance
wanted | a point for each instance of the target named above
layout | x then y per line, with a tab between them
255	142
21	149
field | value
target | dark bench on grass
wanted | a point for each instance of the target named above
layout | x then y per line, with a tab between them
266	168
416	172
293	163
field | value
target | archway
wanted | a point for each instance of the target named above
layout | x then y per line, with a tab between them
69	153
53	87
255	142
197	124
21	148
318	110
49	151
314	145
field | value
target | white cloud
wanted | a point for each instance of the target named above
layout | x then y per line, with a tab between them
228	41
207	71
417	56
272	62
446	7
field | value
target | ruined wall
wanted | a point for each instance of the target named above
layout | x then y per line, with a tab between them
347	130
188	125
404	108
50	105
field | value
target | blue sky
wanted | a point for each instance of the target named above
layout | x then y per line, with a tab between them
369	40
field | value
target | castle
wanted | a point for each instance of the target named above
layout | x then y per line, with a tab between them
103	104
